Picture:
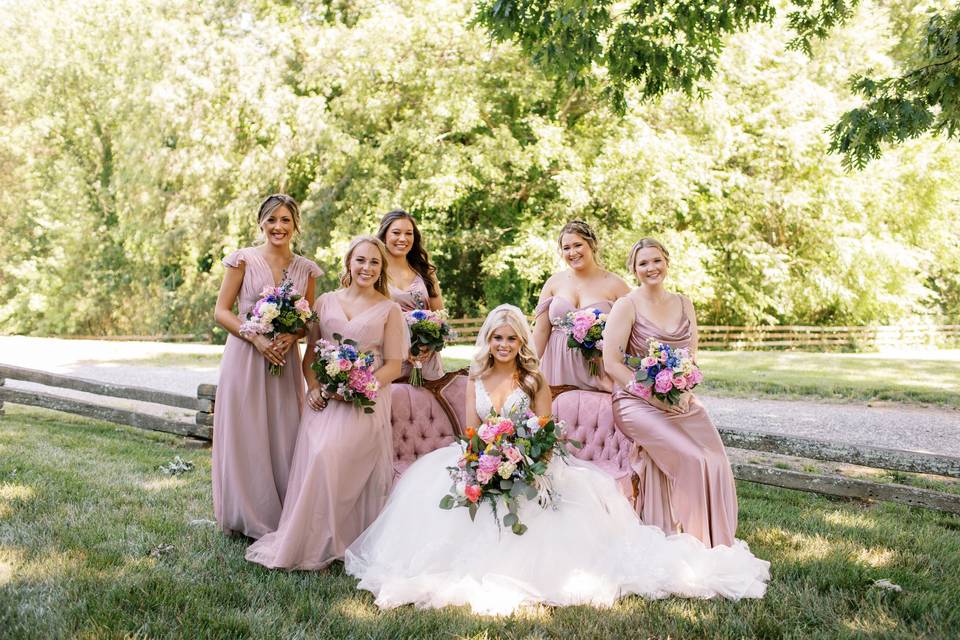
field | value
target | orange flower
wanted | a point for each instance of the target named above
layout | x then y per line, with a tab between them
543	420
471	432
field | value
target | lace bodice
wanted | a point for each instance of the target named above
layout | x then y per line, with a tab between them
514	407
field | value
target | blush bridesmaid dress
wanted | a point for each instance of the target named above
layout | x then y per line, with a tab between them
410	299
686	483
561	364
257	414
342	467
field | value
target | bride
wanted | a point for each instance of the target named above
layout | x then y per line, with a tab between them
589	547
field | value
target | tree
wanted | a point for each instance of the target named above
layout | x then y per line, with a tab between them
657	46
924	98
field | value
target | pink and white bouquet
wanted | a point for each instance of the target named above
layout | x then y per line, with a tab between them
343	369
584	329
664	372
280	309
428	330
503	460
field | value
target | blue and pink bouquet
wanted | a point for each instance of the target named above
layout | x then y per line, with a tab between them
584	329
280	309
664	372
506	460
343	369
428	330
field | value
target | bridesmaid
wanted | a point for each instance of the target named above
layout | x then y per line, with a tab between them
685	479
413	279
584	285
256	417
343	463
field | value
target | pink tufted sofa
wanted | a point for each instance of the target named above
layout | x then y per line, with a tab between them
427	418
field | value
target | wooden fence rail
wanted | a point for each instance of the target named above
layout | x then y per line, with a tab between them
808	448
100	412
788	336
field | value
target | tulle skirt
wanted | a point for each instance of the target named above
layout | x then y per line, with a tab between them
588	548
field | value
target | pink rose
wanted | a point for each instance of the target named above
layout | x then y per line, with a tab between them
513	455
483	477
639	389
302	305
648	362
505	427
487	432
664	381
345	364
695	377
472	491
680	382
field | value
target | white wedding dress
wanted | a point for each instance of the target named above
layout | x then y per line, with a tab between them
588	548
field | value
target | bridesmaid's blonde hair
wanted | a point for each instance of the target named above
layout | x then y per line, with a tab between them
381	283
528	367
583	230
644	243
273	202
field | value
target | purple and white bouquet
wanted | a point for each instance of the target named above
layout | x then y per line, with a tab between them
343	369
584	329
428	330
664	372
280	309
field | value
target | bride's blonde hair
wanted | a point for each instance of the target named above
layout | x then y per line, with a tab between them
528	366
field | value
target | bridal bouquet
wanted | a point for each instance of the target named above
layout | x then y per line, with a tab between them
280	309
341	368
584	329
664	372
503	460
428	330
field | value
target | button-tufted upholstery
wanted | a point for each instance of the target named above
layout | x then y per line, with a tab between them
455	394
589	418
419	424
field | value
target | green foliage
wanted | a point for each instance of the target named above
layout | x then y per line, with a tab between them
924	98
136	141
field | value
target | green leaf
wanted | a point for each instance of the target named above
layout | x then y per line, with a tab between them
447	502
510	519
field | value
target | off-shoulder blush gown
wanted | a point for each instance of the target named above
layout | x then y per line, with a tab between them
343	463
410	299
685	478
561	364
257	414
590	549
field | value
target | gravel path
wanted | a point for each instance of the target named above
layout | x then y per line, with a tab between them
187	365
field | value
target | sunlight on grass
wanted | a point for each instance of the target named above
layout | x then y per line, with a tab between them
876	622
10	493
160	484
930	377
9	560
357	609
854	520
875	557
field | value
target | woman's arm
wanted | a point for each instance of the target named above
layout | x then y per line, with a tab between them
224	316
694	332
473	419
542	326
394	347
615	336
436	301
543	403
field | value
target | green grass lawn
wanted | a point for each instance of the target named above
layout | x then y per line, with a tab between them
96	542
932	377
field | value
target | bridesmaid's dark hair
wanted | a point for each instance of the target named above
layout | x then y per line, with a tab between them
273	202
417	257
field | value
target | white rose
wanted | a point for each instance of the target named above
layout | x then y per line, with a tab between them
533	424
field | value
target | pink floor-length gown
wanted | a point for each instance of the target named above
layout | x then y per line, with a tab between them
256	414
410	299
343	463
561	364
685	476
